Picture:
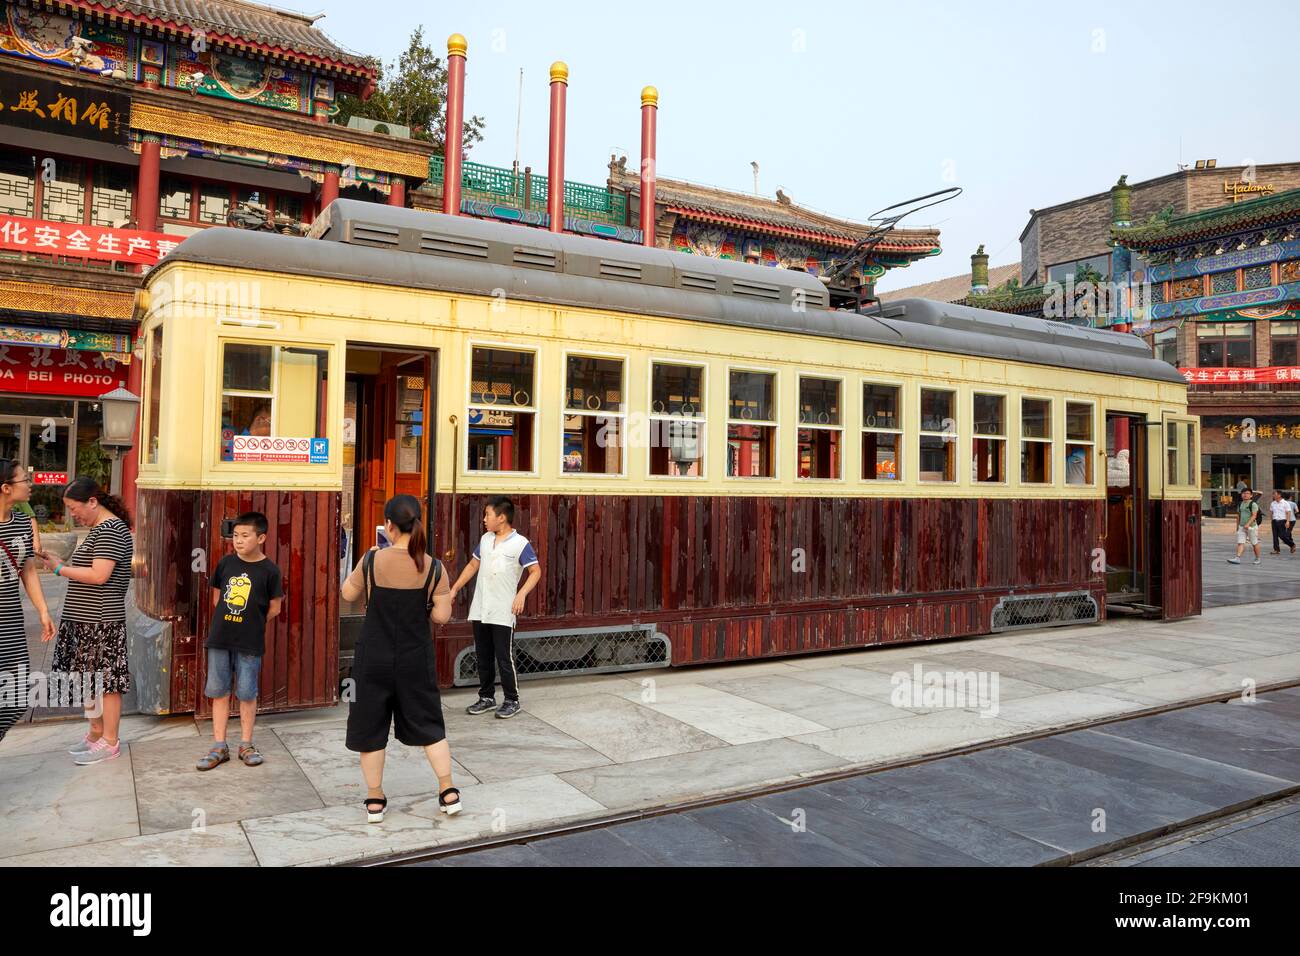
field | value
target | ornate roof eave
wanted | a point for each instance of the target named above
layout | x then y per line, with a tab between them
271	47
1210	223
1018	300
915	248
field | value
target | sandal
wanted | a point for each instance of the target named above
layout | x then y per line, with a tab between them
250	756
375	815
214	758
451	809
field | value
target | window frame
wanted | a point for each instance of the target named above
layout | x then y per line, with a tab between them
566	412
774	424
922	432
153	394
799	376
1091	444
1050	441
532	409
1005	437
652	416
1223	339
900	475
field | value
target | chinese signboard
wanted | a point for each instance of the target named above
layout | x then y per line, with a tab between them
1220	376
50	371
84	242
55	107
50	477
300	451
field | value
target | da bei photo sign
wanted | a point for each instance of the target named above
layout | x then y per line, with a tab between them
292	451
49	371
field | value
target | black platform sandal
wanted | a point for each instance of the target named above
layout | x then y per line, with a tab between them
375	816
451	809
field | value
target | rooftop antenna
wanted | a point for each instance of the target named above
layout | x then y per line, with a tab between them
755	165
519	117
883	223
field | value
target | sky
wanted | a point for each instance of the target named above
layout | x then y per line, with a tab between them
851	107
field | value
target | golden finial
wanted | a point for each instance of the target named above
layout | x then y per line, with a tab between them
649	96
560	72
456	45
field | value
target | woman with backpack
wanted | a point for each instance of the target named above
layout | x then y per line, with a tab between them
395	679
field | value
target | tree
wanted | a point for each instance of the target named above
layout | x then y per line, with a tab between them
413	92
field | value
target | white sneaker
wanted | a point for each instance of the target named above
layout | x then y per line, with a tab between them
1257	561
1234	560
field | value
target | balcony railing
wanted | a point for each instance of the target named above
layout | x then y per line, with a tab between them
530	191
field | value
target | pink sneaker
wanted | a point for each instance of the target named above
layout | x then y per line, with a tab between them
83	747
99	751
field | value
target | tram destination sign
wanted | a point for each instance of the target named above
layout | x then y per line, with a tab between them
281	450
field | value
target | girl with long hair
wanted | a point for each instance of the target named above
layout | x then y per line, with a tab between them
394	670
90	656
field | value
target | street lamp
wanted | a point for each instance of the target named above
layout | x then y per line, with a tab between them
117	433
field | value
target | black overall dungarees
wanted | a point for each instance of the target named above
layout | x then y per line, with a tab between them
396	679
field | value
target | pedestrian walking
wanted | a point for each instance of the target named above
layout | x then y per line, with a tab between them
18	561
247	591
394	668
500	559
1248	518
1282	512
91	647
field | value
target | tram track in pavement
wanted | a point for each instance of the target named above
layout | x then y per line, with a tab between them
1170	830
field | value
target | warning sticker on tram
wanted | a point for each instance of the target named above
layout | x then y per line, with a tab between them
301	451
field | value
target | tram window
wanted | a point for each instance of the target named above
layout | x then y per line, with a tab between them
751	424
881	430
989	446
937	456
676	420
593	416
1190	452
1080	452
1172	452
1036	441
819	428
155	394
501	410
273	391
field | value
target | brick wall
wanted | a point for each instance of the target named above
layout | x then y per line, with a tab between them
1029	257
1205	187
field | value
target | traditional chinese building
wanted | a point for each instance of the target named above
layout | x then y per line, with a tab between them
125	126
1220	297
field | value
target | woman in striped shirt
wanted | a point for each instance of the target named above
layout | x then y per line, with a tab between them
90	656
17	560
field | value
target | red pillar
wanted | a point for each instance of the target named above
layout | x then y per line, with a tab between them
397	192
329	190
649	114
555	167
146	187
456	49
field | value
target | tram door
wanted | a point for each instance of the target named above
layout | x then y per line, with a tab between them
387	446
1126	533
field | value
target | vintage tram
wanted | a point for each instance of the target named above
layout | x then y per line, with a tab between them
712	463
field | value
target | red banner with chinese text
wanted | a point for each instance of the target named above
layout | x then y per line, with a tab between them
76	241
64	372
1257	376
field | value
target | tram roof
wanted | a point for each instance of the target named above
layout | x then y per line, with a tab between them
368	242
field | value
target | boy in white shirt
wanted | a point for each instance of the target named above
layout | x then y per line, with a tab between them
500	559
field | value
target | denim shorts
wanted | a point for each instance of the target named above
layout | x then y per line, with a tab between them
247	668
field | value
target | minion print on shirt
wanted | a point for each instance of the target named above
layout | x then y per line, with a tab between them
238	589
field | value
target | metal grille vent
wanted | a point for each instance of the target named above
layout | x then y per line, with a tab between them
816	297
460	247
373	235
536	258
592	650
1045	610
614	269
693	280
756	290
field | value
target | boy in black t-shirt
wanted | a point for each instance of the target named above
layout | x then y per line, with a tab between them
246	594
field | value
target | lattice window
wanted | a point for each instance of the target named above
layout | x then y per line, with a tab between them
1222	282
1257	277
